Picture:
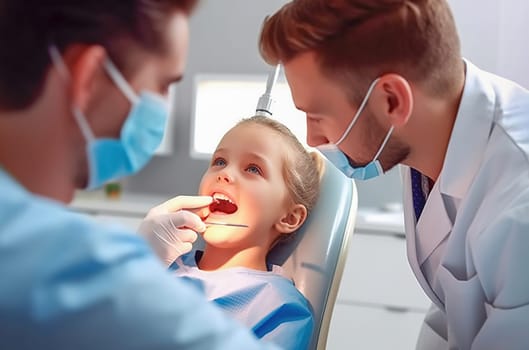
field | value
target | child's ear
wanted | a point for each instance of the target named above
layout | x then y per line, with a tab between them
292	219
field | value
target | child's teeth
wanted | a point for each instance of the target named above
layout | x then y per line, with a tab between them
220	196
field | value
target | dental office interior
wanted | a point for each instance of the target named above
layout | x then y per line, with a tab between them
379	304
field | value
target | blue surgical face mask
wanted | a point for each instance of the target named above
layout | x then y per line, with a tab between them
340	160
111	159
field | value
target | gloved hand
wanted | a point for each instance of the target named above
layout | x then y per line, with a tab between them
171	227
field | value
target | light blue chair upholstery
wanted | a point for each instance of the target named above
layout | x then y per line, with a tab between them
315	257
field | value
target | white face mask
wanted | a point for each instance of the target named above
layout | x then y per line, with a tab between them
340	159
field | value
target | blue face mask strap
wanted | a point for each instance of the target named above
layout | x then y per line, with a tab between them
59	64
120	81
384	143
359	111
83	124
111	69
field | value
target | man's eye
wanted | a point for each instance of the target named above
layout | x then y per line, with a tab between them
218	162
254	169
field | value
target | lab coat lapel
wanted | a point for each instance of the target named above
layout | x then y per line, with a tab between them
470	135
423	237
433	226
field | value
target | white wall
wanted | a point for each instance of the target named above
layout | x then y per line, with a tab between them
493	35
513	48
224	40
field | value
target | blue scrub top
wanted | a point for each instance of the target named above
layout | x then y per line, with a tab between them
68	282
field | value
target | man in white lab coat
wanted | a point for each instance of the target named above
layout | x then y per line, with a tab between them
383	83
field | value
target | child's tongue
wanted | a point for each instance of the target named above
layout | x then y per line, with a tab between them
223	205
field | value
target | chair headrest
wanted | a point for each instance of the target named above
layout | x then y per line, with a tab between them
312	256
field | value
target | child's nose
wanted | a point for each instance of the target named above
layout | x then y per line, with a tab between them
224	177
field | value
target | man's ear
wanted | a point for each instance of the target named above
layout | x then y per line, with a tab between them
393	98
292	220
85	64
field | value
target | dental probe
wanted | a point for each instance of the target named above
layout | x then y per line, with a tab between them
224	224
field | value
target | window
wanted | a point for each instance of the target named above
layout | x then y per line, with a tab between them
220	101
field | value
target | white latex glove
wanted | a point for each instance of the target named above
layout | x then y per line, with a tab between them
171	227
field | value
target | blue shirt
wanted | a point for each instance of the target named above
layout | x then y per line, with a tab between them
70	283
265	301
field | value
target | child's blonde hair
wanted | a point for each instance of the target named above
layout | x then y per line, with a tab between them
302	170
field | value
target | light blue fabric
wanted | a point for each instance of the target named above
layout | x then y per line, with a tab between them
142	132
70	283
111	159
264	301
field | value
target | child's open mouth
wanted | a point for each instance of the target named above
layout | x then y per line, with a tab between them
222	204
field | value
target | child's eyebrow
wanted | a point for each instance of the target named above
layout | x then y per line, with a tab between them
244	153
219	150
257	157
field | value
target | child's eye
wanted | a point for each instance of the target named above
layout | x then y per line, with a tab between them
218	162
254	169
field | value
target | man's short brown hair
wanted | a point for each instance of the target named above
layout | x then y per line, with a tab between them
359	40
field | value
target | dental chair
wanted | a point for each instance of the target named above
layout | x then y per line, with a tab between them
315	257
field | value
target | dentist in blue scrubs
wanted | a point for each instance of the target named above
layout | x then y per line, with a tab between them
81	103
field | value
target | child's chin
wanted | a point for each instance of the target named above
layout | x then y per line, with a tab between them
215	235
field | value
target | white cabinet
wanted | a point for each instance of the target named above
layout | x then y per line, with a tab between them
368	327
132	223
128	210
377	272
380	305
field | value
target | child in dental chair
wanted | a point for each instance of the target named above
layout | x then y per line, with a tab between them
262	177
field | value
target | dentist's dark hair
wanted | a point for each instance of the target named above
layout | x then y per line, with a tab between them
28	27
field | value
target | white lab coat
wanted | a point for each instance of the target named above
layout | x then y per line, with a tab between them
470	248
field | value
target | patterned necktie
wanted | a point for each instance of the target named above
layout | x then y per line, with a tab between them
419	199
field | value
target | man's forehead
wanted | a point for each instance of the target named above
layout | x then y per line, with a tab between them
303	78
176	39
